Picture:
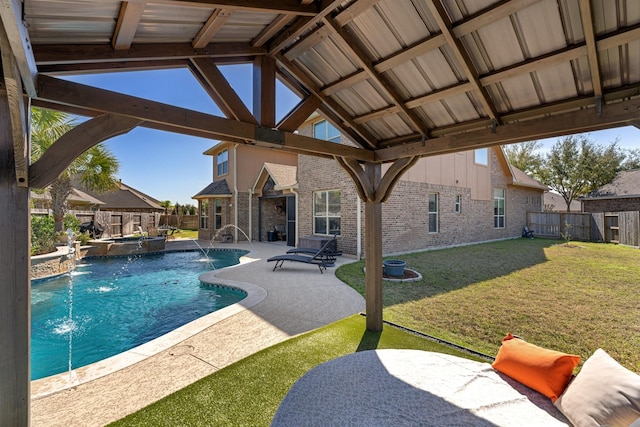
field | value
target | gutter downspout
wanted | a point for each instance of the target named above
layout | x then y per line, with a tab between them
359	229
235	192
295	192
250	215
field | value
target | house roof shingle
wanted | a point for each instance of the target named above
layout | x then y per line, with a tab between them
284	176
124	197
626	184
215	189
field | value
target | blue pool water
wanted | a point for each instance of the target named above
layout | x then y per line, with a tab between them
120	303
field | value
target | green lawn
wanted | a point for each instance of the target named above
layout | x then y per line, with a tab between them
249	392
574	298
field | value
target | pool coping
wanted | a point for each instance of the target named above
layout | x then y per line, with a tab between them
255	294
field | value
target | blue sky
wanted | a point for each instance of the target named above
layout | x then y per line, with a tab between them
170	166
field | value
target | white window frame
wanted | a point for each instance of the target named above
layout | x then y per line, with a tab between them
499	201
222	162
458	204
204	214
321	131
481	156
433	213
217	214
326	214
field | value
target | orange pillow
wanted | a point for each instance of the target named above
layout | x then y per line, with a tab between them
546	371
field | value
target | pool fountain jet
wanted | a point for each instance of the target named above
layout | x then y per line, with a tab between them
219	232
69	323
206	255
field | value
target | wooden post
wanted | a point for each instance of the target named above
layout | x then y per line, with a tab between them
373	253
15	304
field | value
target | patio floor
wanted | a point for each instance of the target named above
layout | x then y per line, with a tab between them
292	300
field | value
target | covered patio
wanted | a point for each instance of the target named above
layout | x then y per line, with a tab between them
403	79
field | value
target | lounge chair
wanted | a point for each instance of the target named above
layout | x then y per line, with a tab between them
526	233
323	257
330	254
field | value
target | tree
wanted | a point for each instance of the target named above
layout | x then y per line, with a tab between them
632	160
524	157
576	166
95	169
166	205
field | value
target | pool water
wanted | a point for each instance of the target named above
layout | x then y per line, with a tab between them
120	303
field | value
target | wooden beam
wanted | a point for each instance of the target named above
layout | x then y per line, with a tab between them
18	110
373	253
127	24
346	125
264	90
592	49
208	31
270	6
83	54
15	306
585	120
271	30
350	45
491	14
75	142
354	9
219	89
299	114
301	26
444	22
20	43
392	175
186	121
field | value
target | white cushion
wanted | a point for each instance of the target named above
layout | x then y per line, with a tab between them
603	393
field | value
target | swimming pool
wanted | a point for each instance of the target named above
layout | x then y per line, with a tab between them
110	305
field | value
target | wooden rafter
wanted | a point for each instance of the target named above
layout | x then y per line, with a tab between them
208	31
443	21
73	143
188	122
127	24
357	135
18	110
267	6
18	39
584	120
350	45
592	49
80	54
301	25
219	89
356	8
271	30
299	114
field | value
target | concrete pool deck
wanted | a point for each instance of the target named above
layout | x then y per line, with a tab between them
281	304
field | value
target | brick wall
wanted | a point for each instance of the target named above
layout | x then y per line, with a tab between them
405	214
611	205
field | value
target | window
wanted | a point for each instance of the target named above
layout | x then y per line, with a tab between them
325	130
458	206
481	156
326	212
498	208
217	214
433	213
204	214
223	162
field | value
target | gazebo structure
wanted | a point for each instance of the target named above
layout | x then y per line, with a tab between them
401	78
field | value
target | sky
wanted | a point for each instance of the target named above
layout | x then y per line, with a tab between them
165	165
171	166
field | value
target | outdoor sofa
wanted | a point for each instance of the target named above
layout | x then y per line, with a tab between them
417	388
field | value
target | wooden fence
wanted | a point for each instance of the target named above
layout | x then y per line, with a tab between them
611	227
118	224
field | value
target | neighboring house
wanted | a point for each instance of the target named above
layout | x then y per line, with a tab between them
443	200
77	200
621	194
554	202
125	199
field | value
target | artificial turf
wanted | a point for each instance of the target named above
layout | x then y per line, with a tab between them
248	392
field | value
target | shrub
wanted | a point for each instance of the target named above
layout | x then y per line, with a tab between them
71	222
43	234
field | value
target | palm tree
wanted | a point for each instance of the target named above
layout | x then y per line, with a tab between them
95	169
